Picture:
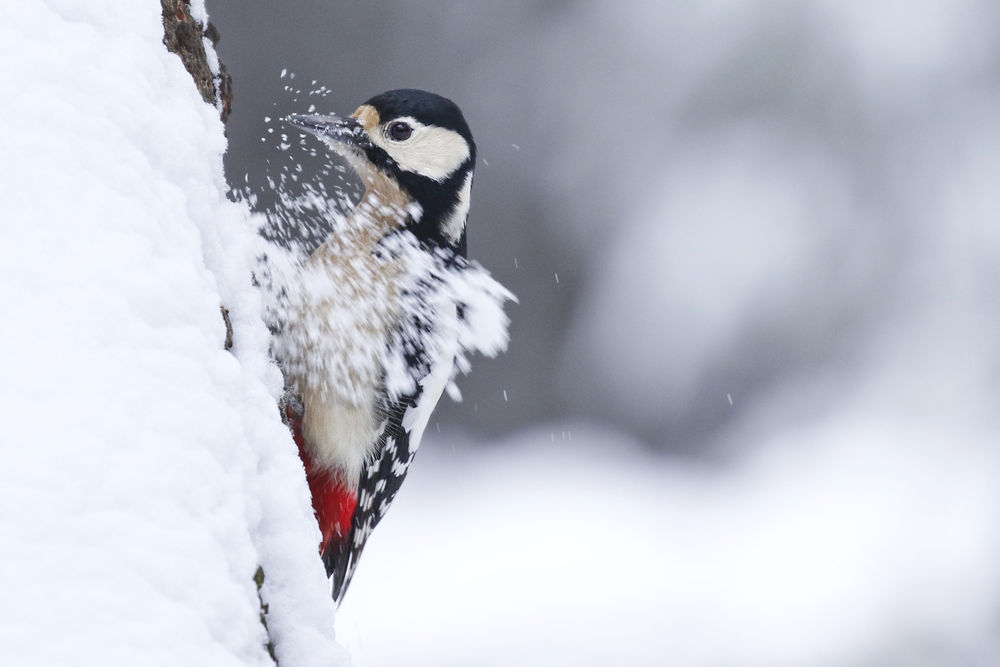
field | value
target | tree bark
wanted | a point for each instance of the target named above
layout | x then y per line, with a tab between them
183	35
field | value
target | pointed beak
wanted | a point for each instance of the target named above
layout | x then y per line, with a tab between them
346	132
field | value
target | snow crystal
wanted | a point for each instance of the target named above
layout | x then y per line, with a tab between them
363	279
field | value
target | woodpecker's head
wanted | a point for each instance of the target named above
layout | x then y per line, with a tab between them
408	146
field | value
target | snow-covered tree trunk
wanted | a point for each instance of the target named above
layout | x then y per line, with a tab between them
185	36
146	474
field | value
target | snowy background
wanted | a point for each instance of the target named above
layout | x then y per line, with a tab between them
749	413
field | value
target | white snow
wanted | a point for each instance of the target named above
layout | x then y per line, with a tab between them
145	473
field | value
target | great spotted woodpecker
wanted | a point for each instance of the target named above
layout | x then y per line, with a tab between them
373	339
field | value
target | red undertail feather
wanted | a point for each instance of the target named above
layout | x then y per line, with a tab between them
333	502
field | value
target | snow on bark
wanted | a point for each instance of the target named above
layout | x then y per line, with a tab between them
146	473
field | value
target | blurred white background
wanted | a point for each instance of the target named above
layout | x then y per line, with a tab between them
749	412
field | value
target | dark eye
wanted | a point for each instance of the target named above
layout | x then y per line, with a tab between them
400	131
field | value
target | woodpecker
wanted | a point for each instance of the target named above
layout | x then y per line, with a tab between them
373	337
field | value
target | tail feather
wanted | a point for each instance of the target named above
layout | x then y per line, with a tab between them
340	561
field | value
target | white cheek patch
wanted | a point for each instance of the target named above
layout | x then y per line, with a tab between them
455	222
431	151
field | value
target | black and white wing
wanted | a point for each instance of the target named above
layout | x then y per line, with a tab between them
406	418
